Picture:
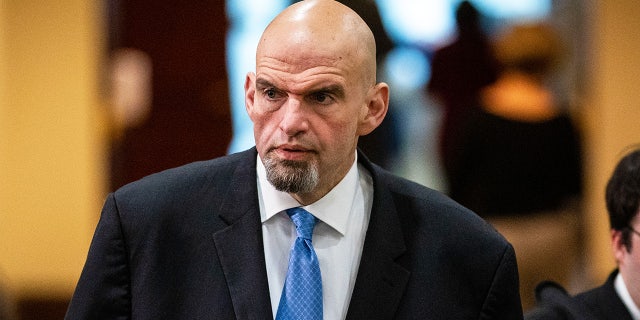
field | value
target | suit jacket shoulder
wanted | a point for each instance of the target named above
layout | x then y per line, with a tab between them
601	302
203	176
180	244
427	257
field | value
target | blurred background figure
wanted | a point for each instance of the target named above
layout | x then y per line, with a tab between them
458	71
519	159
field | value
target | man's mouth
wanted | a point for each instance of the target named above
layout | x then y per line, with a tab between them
292	152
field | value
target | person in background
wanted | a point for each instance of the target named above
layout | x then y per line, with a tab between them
619	297
459	71
519	159
230	238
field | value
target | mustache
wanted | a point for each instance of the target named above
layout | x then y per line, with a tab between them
288	146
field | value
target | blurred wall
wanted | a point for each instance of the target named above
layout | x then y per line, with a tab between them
188	114
52	133
611	113
51	142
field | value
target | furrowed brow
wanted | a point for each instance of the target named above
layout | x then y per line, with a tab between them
335	90
262	83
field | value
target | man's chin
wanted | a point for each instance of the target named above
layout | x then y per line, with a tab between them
292	176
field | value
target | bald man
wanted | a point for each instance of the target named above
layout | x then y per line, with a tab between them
211	240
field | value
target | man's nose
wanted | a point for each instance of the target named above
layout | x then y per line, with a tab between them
294	119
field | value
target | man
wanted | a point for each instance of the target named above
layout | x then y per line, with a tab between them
619	297
211	240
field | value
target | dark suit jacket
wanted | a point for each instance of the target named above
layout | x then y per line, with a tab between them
187	244
601	303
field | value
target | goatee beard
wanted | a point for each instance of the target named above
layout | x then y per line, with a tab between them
291	176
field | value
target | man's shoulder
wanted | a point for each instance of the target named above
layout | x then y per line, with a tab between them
603	301
593	296
597	303
409	188
428	207
218	171
428	198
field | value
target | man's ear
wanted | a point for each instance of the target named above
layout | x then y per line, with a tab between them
617	245
250	93
375	110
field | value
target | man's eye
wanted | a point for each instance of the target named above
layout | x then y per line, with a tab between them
320	97
270	93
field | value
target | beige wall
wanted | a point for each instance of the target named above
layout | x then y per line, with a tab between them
52	141
51	151
612	113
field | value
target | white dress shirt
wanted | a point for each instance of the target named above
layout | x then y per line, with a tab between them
623	293
337	238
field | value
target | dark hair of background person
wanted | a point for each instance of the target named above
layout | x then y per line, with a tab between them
622	195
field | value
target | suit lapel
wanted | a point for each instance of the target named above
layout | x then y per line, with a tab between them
240	246
608	296
381	281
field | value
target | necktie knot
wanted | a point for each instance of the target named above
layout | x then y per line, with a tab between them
304	222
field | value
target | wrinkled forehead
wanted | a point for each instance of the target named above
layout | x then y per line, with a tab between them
305	41
305	49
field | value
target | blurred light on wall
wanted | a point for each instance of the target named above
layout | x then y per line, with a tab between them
407	68
416	21
432	22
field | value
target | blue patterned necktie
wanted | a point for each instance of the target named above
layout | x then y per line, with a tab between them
302	293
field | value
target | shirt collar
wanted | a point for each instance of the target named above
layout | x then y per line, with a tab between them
333	209
624	295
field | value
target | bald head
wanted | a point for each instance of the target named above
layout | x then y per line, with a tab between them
320	29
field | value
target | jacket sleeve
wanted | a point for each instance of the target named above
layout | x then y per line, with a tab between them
503	298
104	290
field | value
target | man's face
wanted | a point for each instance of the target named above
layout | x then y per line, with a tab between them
628	258
307	105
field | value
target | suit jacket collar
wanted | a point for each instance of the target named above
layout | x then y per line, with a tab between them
380	282
609	297
240	246
603	302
